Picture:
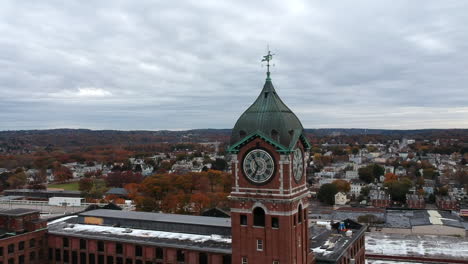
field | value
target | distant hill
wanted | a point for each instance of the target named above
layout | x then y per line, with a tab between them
69	138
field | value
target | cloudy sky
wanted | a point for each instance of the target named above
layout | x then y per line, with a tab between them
196	64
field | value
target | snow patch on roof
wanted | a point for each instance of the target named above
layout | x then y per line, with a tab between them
416	245
61	219
146	233
435	217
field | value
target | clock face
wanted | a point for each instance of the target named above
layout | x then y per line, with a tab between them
258	166
298	164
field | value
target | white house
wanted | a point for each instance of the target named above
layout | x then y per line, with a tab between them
356	186
340	198
353	174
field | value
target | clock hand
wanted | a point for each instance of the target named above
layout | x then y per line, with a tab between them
256	166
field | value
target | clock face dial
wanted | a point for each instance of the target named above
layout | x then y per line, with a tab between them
298	164
258	166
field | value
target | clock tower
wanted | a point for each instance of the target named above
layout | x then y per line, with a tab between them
269	196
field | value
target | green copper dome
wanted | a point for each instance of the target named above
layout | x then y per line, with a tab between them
271	117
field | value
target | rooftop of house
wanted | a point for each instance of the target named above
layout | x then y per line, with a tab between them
329	243
117	191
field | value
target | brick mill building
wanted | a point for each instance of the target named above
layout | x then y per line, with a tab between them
22	235
268	218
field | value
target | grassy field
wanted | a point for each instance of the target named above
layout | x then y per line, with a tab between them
72	186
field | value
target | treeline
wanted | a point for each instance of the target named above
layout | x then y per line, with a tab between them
189	193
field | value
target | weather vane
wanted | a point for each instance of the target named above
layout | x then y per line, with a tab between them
268	58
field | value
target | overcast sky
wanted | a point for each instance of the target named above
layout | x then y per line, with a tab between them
196	64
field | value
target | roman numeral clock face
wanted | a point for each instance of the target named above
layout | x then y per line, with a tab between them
298	165
258	166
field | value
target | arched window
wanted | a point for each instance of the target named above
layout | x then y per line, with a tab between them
259	216
242	133
299	214
275	134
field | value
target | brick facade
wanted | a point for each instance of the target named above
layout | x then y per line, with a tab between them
284	235
74	250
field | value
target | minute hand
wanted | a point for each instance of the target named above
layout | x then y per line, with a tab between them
256	167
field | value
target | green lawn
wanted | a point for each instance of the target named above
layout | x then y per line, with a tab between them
72	186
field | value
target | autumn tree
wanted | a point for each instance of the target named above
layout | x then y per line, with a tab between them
342	185
18	179
199	202
62	174
132	190
390	177
85	185
178	192
119	179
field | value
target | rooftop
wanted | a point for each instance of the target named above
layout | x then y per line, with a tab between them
330	244
17	212
40	191
76	226
157	217
417	245
410	218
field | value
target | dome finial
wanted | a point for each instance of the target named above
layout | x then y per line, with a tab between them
268	58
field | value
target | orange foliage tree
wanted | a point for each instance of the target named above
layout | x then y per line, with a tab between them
187	193
390	177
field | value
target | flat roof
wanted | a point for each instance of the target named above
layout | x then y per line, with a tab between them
416	245
329	244
158	217
210	243
18	212
40	191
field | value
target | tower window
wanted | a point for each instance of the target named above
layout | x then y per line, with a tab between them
259	245
299	214
275	134
243	220
244	260
259	217
274	222
242	133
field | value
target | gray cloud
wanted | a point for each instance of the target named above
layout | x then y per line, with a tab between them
195	64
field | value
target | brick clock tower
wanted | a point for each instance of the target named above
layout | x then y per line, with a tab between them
269	197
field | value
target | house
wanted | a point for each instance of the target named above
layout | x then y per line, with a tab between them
415	201
447	203
119	192
400	171
378	198
352	174
340	198
356	186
